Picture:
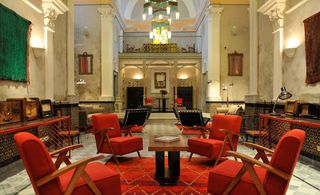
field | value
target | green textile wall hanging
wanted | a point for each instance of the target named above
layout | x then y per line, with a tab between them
14	43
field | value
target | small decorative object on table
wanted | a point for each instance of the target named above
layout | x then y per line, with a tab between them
46	108
167	139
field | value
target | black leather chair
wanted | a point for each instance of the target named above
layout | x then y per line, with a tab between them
193	119
134	118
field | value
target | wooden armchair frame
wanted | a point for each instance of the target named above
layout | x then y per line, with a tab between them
227	140
249	162
79	167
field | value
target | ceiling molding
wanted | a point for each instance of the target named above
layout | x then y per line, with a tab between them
231	2
293	5
92	2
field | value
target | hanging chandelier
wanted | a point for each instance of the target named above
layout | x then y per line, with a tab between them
160	12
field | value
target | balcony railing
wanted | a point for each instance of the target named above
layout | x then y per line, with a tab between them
177	44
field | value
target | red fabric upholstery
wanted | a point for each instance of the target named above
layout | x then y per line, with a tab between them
284	158
120	145
207	147
228	122
137	129
148	101
179	101
38	164
107	180
223	174
211	147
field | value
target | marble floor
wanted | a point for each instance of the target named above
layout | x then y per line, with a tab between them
14	180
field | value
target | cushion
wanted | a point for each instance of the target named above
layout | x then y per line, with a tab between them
106	179
221	176
125	145
206	147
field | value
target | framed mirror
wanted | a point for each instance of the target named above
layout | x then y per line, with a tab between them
85	63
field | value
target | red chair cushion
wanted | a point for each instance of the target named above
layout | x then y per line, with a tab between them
191	131
106	179
124	145
221	176
137	129
206	147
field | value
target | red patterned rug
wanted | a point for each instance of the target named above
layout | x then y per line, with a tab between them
137	176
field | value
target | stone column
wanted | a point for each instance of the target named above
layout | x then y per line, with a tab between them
214	16
274	9
70	50
48	67
107	15
51	10
253	87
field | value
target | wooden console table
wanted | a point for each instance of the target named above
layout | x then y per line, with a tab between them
50	135
271	128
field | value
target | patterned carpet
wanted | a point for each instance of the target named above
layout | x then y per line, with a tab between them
14	180
137	176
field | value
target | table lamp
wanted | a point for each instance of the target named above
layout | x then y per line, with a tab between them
282	96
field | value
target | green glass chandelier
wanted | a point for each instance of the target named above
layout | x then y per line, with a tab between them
160	12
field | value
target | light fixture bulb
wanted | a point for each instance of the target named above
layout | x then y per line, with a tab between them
144	16
169	20
177	15
160	16
168	10
150	10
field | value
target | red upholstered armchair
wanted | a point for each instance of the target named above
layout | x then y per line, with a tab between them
255	177
109	138
179	101
223	136
80	177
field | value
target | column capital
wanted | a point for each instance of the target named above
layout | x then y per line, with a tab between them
214	11
106	11
275	10
51	10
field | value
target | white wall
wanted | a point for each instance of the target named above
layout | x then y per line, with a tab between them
294	69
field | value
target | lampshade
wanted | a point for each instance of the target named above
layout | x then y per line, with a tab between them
284	94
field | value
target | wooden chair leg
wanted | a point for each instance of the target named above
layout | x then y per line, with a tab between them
139	154
220	152
190	157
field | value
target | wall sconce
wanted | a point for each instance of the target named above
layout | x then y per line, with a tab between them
183	77
289	52
138	77
38	52
81	82
86	31
292	45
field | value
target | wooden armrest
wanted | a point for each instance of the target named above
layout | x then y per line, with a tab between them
226	131
65	149
256	146
253	161
103	131
65	169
